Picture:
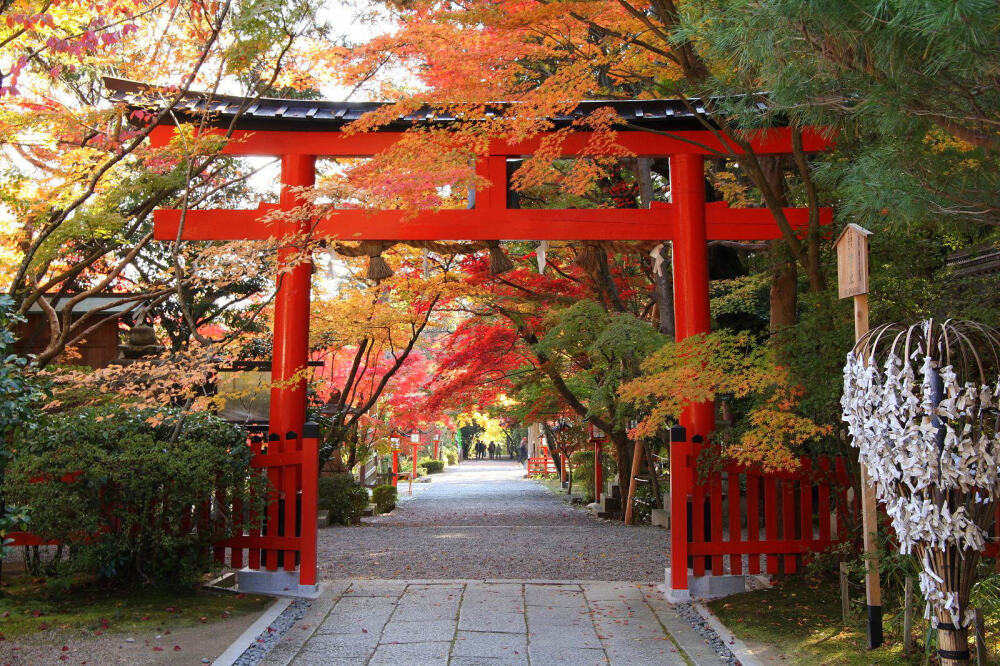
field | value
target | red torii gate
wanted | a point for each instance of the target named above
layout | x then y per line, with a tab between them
299	131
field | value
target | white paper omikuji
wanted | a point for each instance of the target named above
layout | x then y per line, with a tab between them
920	456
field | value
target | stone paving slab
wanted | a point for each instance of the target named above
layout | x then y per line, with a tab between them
496	622
505	646
418	632
543	654
426	654
574	624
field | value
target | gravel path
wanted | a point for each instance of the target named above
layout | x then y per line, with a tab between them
484	520
273	634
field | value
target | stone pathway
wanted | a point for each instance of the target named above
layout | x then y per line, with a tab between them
466	623
483	566
483	520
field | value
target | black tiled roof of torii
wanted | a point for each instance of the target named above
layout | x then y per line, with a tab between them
319	115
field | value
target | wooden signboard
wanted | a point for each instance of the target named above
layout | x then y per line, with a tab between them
852	282
852	261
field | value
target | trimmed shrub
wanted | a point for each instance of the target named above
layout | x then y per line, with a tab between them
384	498
451	457
126	497
343	497
432	466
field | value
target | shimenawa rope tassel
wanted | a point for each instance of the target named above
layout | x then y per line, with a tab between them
378	269
499	261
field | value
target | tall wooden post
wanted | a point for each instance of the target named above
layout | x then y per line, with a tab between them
692	316
291	307
633	479
852	282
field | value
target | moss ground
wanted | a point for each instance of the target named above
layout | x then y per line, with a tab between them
31	605
801	617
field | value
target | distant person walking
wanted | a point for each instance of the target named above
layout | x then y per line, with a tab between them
524	452
491	448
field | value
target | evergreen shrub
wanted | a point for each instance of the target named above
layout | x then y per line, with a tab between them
124	488
384	497
343	497
432	466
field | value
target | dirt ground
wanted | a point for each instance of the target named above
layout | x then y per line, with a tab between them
158	645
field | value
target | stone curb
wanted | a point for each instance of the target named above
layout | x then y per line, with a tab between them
246	639
735	645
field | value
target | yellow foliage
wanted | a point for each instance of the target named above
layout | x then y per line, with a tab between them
699	368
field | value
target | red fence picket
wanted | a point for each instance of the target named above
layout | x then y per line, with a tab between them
291	465
781	516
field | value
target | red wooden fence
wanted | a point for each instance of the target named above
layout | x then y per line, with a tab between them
541	466
287	538
782	516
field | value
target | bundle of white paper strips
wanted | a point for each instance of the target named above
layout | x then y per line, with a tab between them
926	461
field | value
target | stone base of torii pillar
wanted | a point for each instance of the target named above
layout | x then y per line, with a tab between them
278	583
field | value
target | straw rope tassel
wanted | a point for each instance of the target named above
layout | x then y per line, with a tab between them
378	268
499	261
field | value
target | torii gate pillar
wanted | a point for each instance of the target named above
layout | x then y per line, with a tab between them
291	305
691	315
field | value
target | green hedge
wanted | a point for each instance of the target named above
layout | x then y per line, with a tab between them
431	466
343	497
125	496
384	497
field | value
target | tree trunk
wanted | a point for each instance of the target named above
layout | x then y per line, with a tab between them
784	295
784	272
663	282
663	293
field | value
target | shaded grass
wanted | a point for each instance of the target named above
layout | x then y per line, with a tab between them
30	605
801	617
